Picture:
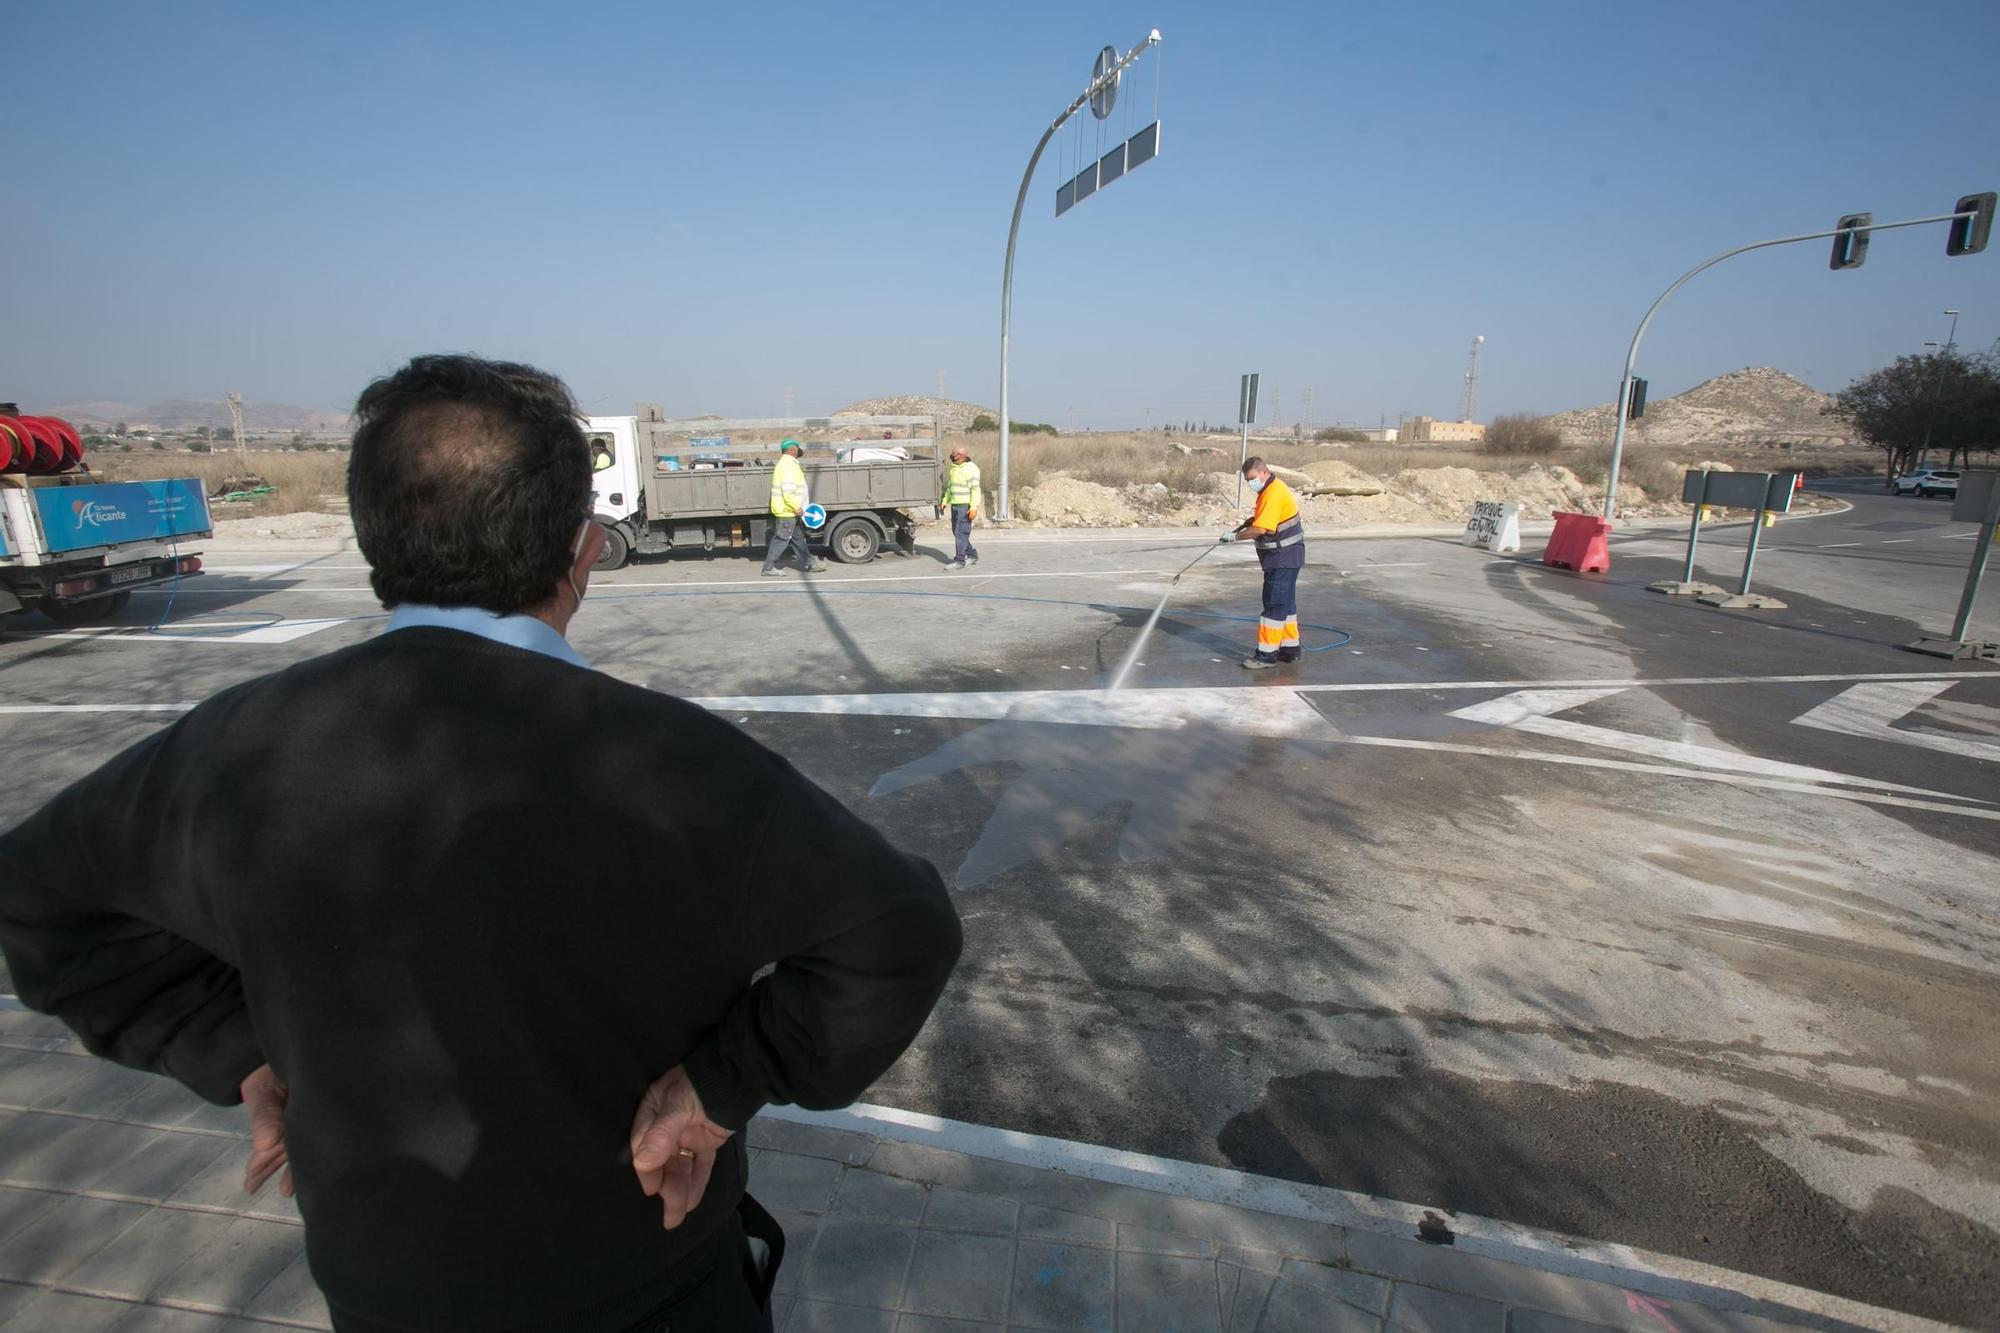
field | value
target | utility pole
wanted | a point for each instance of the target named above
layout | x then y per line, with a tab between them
1937	391
1308	422
1470	407
236	429
788	402
940	384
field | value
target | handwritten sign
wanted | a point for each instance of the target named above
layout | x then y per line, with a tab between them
1494	524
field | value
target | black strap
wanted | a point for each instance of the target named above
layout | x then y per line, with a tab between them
760	1225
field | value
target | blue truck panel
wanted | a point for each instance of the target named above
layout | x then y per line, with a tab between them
76	517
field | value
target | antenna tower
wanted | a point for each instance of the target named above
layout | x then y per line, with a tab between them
1470	407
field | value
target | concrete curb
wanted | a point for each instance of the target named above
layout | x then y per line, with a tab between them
1641	1271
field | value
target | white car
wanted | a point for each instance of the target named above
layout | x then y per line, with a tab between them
1926	481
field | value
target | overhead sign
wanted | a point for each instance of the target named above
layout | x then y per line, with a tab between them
1123	160
1741	490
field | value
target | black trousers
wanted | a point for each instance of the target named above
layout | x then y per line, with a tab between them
787	534
729	1297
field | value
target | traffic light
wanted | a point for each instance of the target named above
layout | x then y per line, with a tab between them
1850	242
1968	235
1637	407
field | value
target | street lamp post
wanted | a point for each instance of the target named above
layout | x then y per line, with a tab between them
1104	80
1937	390
1632	353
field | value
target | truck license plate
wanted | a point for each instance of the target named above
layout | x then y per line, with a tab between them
132	574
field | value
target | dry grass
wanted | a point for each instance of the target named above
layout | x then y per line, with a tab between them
1127	459
306	482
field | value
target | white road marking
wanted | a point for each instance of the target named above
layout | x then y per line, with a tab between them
1389	564
1262	712
746	584
1869	711
95	708
1834	545
1649	681
1531	710
260	632
1892	541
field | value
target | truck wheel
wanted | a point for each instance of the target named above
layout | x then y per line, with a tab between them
855	541
616	549
86	613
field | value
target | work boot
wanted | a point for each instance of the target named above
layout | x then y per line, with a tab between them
1288	654
973	558
955	565
817	567
1259	663
774	573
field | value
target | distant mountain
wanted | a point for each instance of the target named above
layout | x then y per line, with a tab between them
188	413
1756	405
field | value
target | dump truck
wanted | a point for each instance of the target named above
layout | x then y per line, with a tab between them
660	485
75	546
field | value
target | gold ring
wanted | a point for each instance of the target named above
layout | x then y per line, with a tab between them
685	1152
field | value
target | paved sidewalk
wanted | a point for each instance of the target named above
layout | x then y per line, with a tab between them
121	1208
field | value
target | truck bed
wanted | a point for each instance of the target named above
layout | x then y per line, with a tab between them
741	491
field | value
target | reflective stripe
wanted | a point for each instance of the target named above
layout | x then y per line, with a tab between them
1291	639
1270	634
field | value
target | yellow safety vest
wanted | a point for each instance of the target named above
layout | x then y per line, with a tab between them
788	488
961	485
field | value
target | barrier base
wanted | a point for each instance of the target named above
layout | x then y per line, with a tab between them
1676	588
1956	650
1740	601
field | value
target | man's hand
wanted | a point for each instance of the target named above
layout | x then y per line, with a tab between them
674	1145
1225	539
265	1097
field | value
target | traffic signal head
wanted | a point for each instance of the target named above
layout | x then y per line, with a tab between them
1968	234
1850	242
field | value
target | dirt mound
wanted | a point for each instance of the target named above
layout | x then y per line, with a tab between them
1059	500
951	414
1337	473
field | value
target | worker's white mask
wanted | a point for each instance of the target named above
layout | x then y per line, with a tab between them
1257	484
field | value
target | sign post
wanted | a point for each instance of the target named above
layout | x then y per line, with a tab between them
1246	412
1979	502
1694	490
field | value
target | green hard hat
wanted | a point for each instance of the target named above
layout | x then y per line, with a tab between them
789	443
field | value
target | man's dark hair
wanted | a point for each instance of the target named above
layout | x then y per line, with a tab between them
467	483
1251	464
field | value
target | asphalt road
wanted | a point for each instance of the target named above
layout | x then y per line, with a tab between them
1544	897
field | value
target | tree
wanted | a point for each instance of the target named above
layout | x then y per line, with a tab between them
982	422
1522	435
1338	435
1952	398
118	429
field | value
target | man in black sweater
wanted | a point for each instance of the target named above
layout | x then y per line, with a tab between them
471	928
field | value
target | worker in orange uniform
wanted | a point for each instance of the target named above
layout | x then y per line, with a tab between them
1281	549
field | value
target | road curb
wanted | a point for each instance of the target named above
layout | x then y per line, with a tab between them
1642	1271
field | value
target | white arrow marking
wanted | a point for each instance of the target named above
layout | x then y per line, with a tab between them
1528	710
1868	711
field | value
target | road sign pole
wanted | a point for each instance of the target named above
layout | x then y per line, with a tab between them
1750	556
1694	530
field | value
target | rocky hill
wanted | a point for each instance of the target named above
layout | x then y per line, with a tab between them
1753	406
952	415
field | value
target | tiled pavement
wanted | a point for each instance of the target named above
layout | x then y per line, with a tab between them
120	1208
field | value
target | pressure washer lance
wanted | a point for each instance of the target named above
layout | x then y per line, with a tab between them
1205	552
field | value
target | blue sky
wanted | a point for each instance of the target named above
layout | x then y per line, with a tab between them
703	205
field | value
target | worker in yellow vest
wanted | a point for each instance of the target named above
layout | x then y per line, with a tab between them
960	499
1280	536
788	505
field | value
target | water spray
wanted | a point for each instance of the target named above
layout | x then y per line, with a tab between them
1132	653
